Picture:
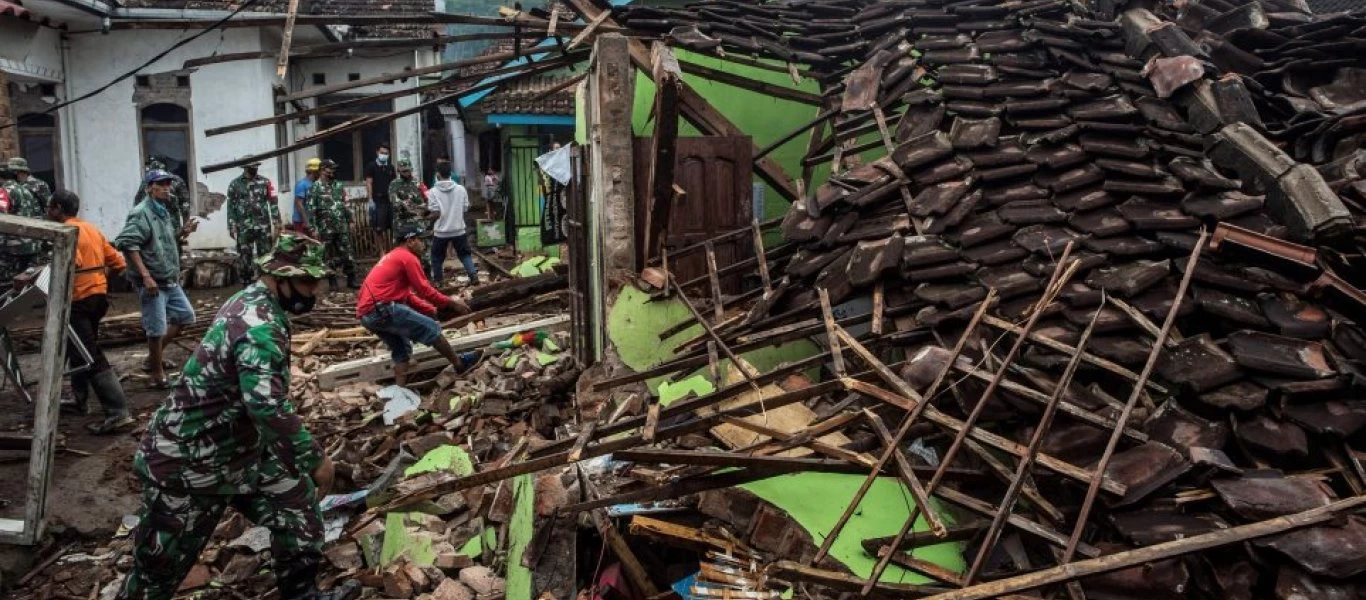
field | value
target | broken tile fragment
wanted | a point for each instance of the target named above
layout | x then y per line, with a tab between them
1243	396
1266	495
1333	551
1280	355
1198	363
1129	279
1272	437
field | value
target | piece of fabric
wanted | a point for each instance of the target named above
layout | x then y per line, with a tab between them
398	277
462	250
153	235
40	189
174	527
557	164
169	306
451	200
399	326
409	206
93	255
229	423
301	196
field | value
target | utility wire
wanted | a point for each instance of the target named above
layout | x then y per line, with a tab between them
245	5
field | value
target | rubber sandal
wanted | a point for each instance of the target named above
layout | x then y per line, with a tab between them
110	425
469	361
165	364
163	383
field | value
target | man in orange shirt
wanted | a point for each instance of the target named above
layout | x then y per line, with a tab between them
89	303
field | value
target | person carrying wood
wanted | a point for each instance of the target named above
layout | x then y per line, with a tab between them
89	304
228	436
397	304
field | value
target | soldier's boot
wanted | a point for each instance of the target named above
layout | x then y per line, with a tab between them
351	281
115	403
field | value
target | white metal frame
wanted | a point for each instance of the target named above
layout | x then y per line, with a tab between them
47	403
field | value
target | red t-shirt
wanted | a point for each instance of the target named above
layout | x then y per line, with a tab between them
397	277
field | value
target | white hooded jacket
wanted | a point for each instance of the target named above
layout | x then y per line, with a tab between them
451	200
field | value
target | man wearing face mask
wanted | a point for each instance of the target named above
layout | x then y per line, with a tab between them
397	304
229	436
253	217
378	176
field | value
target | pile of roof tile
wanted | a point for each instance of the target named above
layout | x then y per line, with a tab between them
1015	129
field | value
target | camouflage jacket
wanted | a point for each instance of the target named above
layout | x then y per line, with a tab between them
252	207
40	189
408	201
24	204
179	206
327	205
229	424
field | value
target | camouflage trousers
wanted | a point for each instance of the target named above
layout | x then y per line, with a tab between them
175	527
251	246
341	253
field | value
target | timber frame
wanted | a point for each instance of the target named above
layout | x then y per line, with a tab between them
63	238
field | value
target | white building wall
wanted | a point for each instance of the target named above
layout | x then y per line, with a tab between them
407	131
107	162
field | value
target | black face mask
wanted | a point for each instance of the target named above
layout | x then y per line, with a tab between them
296	303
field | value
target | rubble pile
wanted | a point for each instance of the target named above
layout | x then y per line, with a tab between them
455	547
1003	136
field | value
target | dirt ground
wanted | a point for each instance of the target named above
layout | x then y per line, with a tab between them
90	494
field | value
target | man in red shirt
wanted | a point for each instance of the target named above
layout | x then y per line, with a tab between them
397	304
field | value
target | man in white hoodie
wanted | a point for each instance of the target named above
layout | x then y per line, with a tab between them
447	202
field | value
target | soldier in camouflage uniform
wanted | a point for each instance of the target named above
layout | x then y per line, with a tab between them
228	436
253	217
409	198
16	253
179	206
37	187
331	219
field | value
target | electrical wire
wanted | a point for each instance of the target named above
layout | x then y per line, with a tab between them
159	56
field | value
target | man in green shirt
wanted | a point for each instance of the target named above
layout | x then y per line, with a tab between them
229	436
151	241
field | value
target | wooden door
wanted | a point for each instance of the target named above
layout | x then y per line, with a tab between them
716	174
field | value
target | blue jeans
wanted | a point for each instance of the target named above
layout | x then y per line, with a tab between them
462	250
169	305
399	326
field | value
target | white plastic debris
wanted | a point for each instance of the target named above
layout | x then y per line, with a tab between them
400	401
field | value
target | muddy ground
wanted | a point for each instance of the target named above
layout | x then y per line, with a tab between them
90	494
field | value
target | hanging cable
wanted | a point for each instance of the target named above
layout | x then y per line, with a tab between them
159	56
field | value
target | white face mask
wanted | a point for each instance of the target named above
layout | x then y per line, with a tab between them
383	158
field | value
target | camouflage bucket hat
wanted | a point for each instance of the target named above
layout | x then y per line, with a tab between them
405	164
18	165
295	255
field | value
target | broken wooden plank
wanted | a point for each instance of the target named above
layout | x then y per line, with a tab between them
660	174
1133	558
1080	526
380	367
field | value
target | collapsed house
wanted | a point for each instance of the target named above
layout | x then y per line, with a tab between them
1077	312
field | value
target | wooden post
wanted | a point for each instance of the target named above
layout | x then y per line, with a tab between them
60	273
9	136
611	93
282	62
661	174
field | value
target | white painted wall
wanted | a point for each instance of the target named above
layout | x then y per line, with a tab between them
407	134
107	165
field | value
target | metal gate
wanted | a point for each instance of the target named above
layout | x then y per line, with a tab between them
522	184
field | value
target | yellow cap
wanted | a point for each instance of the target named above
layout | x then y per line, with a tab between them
314	164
